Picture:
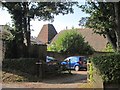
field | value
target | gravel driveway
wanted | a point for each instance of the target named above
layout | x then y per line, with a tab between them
76	80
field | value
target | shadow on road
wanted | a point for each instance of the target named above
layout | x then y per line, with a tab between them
66	78
62	78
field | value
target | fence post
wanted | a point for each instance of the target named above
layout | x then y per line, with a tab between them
39	67
39	52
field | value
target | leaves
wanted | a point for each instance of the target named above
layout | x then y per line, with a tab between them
70	42
109	48
6	34
109	67
23	12
102	19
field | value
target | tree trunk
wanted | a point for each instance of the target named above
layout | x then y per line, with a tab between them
117	18
28	32
19	38
26	23
111	38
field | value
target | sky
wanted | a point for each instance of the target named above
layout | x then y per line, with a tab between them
60	21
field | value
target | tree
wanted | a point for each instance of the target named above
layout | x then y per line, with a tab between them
117	23
8	38
70	42
6	33
104	19
23	12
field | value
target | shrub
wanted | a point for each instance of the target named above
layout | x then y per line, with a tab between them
22	64
90	73
30	66
70	42
109	67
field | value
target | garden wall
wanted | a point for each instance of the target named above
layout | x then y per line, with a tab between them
61	56
58	56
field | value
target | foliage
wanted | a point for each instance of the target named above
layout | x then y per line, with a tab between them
30	66
22	64
108	48
99	20
39	10
23	12
70	42
8	40
90	71
103	23
6	33
109	67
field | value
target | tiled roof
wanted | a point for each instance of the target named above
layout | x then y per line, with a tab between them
46	34
95	40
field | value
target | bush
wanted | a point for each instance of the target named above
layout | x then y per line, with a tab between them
22	64
29	65
70	42
90	71
109	67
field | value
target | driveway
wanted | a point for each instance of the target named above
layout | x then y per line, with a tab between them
78	79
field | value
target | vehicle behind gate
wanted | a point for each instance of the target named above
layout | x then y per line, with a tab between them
51	65
75	62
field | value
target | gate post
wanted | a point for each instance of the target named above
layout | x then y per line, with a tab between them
42	52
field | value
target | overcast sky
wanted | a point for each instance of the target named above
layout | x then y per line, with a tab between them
60	21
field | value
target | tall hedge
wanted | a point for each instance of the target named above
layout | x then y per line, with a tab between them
109	67
23	64
30	66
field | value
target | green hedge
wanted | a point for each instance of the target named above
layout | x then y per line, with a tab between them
109	67
29	65
23	64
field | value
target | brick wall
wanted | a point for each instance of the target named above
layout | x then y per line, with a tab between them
61	56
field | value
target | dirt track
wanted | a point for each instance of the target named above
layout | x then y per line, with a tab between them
76	80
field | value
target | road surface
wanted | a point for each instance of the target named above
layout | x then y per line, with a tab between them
78	79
